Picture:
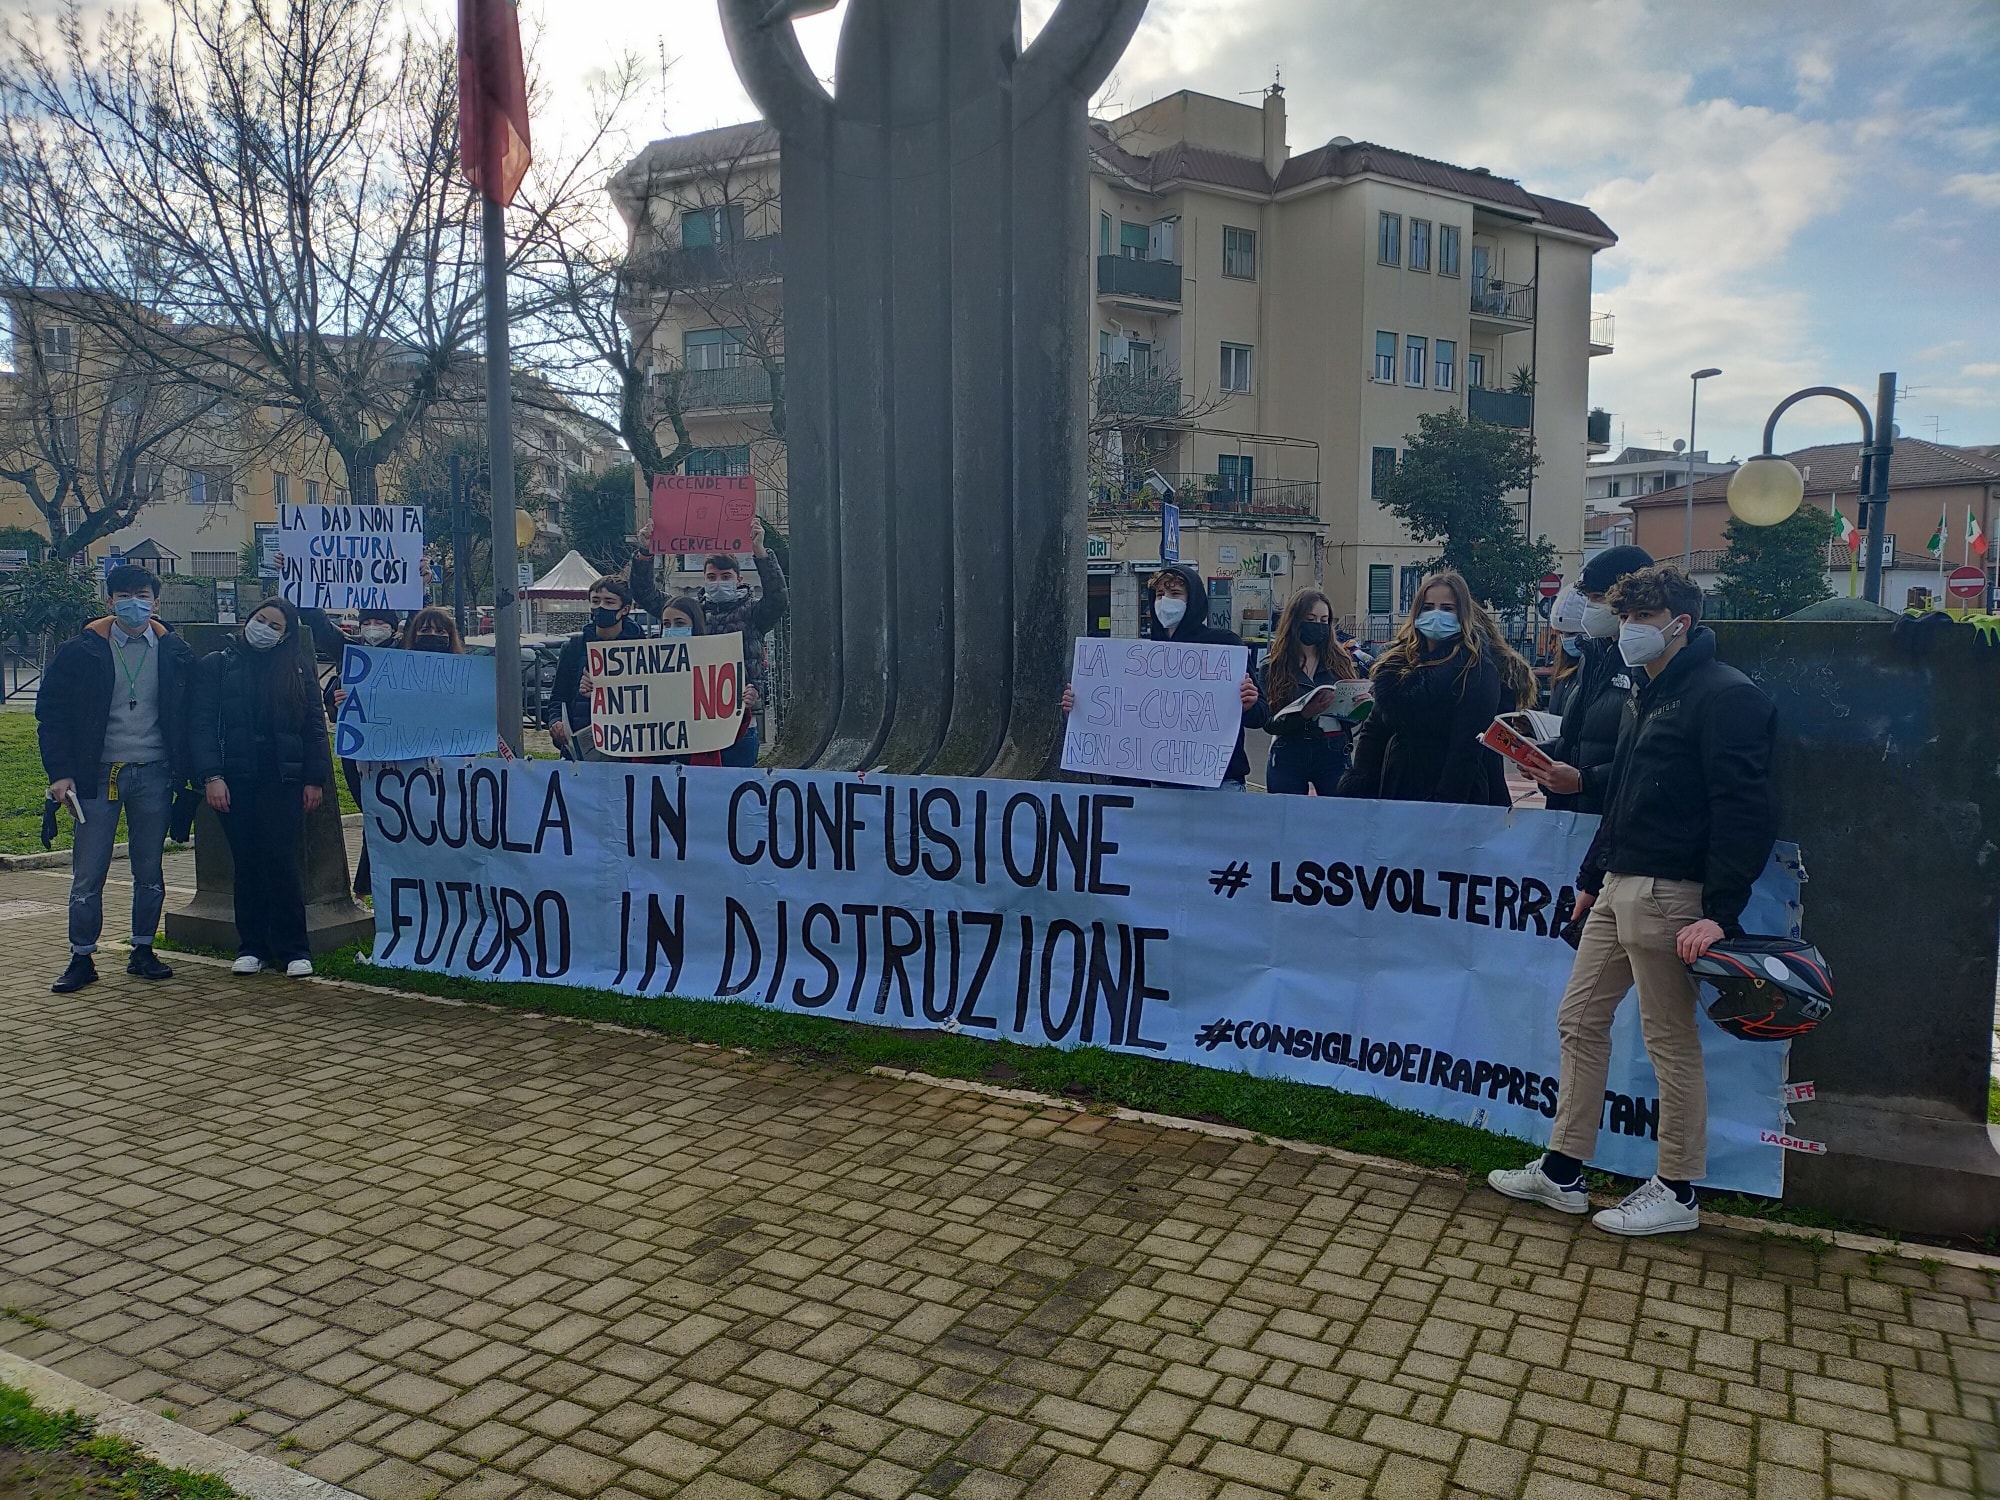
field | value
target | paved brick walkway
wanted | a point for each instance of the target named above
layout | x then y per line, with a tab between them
428	1250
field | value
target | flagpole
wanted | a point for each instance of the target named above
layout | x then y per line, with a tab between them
500	471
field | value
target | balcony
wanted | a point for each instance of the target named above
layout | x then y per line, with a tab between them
1214	495
747	261
746	384
1122	395
1501	408
1502	306
1147	282
1603	328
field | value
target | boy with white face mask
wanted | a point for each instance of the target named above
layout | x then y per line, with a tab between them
1688	825
112	719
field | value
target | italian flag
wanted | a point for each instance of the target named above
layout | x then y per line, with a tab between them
1845	530
1935	546
1974	537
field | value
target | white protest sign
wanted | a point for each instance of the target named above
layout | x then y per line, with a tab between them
351	556
1406	950
1155	710
673	696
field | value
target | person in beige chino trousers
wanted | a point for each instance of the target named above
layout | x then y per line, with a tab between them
1688	825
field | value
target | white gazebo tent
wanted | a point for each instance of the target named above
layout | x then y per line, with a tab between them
568	581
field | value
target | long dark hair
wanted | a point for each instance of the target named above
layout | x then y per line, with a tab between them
1285	669
436	618
279	674
690	606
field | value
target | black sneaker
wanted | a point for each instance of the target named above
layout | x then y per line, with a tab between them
147	965
82	970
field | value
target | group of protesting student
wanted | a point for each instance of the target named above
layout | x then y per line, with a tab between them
1671	747
131	723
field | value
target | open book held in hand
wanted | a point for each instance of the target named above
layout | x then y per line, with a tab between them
1504	738
1345	702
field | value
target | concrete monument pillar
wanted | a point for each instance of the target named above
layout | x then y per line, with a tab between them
936	311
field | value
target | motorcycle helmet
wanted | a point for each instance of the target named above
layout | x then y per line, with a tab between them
1767	989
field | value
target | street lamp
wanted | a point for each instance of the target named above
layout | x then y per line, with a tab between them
1767	489
1687	557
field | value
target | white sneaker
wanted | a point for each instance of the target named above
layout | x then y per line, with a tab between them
249	963
299	968
1532	1185
1652	1209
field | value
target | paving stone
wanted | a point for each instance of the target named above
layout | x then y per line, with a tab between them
488	1256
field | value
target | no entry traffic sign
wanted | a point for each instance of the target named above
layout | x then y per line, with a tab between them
1965	583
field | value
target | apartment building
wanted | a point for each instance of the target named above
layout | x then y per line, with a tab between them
1268	329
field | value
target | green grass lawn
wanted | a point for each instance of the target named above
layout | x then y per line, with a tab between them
58	1456
23	784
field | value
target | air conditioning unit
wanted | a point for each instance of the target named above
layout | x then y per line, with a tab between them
1276	563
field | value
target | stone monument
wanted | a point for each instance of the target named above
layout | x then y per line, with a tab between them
936	259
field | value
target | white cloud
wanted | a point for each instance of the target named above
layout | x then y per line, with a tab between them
1980	372
1982	188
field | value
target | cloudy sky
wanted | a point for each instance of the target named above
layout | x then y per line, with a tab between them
1805	193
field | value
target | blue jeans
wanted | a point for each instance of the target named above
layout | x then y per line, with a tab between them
744	751
1299	762
146	796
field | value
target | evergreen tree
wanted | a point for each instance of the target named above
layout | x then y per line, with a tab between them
1769	572
1451	487
598	514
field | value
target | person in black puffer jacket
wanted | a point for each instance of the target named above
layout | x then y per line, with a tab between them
1437	688
1596	706
258	748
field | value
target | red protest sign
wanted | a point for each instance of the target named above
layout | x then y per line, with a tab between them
703	513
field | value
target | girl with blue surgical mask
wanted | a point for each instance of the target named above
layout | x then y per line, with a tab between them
1436	689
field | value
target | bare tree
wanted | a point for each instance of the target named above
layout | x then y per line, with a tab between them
265	196
700	249
87	431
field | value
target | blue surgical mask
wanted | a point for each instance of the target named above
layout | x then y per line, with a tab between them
1438	624
1573	645
673	630
133	612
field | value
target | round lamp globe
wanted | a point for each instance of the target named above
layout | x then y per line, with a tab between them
524	529
1765	490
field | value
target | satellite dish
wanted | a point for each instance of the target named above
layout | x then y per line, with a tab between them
1679	444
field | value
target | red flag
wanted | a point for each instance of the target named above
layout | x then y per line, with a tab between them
492	98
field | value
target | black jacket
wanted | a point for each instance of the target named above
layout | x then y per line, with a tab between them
1297	727
565	693
1420	743
753	615
1591	721
237	732
1690	795
73	705
1195	630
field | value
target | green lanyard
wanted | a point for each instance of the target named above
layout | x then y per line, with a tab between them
131	677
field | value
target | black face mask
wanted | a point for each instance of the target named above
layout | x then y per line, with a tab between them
1315	633
433	643
605	619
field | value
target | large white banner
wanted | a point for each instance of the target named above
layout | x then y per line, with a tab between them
1403	950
